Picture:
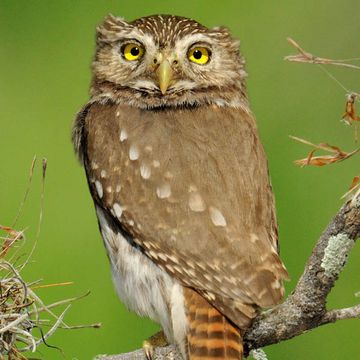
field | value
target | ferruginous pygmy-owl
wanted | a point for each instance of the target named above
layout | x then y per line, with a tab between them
180	181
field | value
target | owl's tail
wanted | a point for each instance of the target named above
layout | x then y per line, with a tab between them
211	336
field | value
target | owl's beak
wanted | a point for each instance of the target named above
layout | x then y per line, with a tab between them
164	73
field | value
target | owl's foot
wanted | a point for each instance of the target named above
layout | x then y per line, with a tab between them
149	345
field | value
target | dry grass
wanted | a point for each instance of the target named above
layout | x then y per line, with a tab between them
350	117
23	314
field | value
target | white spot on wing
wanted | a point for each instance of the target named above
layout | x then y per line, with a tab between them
253	238
210	296
133	152
99	189
118	210
103	173
162	256
190	272
123	135
145	171
163	191
196	203
217	217
276	285
153	254
169	267
173	259
192	188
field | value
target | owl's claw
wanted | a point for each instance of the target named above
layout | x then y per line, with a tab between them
149	345
148	349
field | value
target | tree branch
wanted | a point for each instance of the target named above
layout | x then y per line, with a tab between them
305	308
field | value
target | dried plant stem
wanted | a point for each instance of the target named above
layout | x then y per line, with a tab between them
21	309
306	57
50	332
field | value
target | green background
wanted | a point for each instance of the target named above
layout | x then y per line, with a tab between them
46	49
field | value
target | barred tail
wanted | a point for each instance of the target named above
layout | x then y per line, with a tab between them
211	336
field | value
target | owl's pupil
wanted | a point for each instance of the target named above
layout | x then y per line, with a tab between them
197	54
134	51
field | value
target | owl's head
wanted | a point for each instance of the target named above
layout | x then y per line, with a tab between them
165	60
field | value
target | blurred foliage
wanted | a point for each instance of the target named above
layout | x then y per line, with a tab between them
45	51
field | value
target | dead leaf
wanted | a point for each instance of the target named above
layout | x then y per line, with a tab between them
12	236
355	185
322	160
355	181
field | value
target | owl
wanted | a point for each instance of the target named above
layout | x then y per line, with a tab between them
179	179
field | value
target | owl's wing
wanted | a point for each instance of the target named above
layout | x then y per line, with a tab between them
191	187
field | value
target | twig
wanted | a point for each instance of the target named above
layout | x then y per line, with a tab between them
44	167
50	332
342	314
31	173
306	57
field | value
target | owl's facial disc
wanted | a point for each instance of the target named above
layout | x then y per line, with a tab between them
163	59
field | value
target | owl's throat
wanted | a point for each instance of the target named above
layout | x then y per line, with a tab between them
151	98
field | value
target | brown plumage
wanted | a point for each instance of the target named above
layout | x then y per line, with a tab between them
210	334
180	182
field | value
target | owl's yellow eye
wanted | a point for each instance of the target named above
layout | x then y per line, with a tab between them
132	51
199	55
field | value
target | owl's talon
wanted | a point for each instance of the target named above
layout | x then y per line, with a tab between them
148	349
149	345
